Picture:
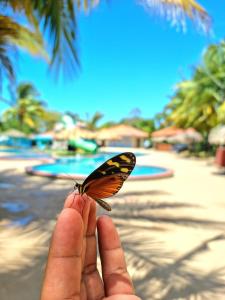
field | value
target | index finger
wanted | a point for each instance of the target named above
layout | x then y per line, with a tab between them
63	271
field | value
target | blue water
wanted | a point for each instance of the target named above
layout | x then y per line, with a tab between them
85	165
29	155
12	150
23	153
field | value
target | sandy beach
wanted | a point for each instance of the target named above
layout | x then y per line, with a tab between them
172	229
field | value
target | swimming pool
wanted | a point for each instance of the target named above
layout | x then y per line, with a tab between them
80	167
11	150
19	153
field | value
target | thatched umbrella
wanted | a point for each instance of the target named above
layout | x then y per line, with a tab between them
217	135
14	133
188	136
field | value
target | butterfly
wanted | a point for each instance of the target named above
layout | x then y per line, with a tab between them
107	179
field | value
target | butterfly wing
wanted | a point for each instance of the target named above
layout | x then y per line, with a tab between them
121	163
104	187
108	179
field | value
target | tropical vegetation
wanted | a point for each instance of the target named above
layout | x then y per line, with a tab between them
199	102
92	121
147	125
27	112
12	35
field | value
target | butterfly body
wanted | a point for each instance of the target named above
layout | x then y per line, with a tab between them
79	187
108	179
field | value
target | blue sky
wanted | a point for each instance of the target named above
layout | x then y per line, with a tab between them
129	59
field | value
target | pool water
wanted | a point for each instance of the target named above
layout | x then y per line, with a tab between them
12	150
18	153
83	166
30	155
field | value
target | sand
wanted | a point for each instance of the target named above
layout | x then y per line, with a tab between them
172	230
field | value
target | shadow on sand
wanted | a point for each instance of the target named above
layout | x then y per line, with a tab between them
157	272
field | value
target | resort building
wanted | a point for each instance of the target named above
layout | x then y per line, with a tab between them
121	136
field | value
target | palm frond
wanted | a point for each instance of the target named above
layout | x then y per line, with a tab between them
12	36
12	32
59	22
176	11
6	65
26	90
86	4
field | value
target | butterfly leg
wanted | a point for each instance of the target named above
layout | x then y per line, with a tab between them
71	192
103	204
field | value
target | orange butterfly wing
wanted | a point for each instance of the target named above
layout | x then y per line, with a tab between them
104	187
108	179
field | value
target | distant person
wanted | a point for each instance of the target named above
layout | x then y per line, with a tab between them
147	144
71	271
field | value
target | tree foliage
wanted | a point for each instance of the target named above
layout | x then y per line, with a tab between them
12	36
28	113
92	121
200	101
134	119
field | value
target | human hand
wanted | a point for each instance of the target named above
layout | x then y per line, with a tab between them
71	271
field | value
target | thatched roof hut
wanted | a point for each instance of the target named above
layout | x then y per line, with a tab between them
188	136
174	135
121	135
166	132
119	131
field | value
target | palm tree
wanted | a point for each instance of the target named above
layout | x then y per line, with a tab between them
13	35
92	121
27	112
159	119
200	101
58	19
